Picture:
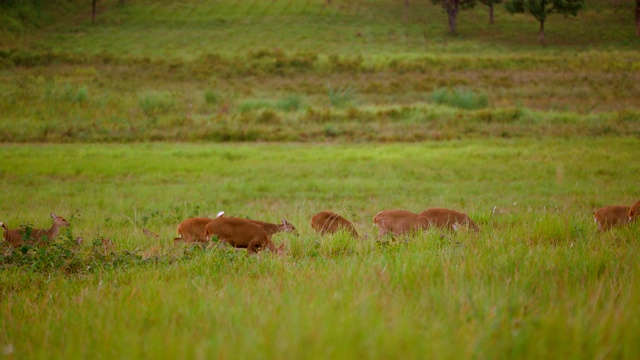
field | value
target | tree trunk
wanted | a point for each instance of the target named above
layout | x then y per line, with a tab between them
452	10
93	11
406	10
541	36
491	13
638	18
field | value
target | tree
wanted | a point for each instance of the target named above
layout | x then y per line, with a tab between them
541	9
93	11
490	4
452	7
638	18
405	14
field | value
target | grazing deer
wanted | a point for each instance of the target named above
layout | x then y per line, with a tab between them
17	237
449	219
399	222
611	216
271	228
634	211
326	222
193	229
241	233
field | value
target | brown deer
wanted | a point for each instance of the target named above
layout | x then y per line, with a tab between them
448	219
326	222
193	229
17	237
634	211
271	228
611	216
399	222
241	233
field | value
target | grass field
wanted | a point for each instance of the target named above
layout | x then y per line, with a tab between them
165	110
538	281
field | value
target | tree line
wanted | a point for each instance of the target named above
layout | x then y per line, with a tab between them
539	9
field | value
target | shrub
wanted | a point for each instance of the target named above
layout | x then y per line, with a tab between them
155	103
67	93
460	98
290	103
212	97
340	97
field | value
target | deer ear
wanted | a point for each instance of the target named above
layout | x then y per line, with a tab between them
285	222
220	214
53	216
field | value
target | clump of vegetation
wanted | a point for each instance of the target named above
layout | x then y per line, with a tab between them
156	103
341	96
461	98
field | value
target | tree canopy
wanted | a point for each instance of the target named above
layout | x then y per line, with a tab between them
541	9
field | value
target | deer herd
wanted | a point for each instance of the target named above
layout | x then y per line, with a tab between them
255	235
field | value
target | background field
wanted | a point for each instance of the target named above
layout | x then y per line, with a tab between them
279	109
304	71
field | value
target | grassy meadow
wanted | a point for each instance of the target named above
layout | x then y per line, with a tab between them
538	281
163	110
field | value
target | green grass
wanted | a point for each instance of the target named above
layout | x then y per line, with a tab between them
537	282
163	110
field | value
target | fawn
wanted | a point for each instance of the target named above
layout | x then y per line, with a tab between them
19	237
326	222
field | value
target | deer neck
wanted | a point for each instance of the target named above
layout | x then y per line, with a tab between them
52	232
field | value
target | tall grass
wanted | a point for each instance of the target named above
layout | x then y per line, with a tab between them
538	281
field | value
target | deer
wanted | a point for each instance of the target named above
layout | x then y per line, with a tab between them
192	230
612	216
326	222
634	211
448	219
271	228
399	222
241	233
19	237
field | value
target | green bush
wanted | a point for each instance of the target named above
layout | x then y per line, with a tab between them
156	102
341	97
460	98
290	103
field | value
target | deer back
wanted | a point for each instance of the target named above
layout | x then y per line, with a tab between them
448	219
611	216
329	222
398	222
240	233
193	230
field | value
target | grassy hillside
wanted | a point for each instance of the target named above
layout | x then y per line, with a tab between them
304	71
